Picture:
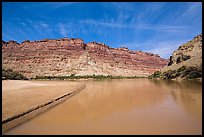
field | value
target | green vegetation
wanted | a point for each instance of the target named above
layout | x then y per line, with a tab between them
72	76
170	74
12	75
183	72
181	69
182	58
156	74
192	72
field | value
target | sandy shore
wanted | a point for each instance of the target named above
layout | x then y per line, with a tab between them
19	98
9	85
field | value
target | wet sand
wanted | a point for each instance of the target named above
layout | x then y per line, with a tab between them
19	98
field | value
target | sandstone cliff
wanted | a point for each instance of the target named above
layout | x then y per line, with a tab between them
185	62
63	57
188	54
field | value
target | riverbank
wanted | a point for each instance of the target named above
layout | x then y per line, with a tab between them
85	77
22	100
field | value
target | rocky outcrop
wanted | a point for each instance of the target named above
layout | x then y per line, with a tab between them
185	62
188	54
66	56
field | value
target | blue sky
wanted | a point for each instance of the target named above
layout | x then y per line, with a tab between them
156	27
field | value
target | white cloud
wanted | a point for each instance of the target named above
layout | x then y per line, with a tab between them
188	12
63	30
44	25
166	48
120	24
110	23
193	9
164	52
57	5
50	5
40	27
161	27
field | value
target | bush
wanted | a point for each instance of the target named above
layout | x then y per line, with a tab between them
184	72
192	72
72	76
170	61
156	74
185	57
13	75
181	69
182	58
178	60
170	74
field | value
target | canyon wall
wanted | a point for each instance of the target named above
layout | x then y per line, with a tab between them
66	56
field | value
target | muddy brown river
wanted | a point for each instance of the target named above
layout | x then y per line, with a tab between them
126	106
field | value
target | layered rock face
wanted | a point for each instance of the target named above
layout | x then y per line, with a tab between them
63	57
188	54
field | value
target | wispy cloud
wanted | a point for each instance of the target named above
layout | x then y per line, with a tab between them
155	27
110	23
28	29
41	28
166	48
120	24
161	27
8	34
157	45
48	5
193	9
164	52
188	12
57	5
63	30
147	15
44	25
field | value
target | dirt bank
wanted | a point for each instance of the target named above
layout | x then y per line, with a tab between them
22	100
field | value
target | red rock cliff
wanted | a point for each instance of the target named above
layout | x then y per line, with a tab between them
61	57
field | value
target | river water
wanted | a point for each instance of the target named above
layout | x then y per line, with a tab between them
126	106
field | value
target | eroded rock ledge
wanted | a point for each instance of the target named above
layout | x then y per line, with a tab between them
66	56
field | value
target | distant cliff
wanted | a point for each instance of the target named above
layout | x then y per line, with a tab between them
185	62
63	57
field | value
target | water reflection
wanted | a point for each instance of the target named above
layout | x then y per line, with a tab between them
186	84
138	106
188	94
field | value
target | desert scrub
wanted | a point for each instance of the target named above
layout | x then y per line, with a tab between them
72	76
183	72
182	58
156	74
192	73
12	75
181	69
169	74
